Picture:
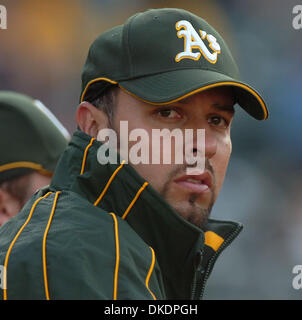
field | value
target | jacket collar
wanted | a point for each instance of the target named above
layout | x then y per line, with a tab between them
119	189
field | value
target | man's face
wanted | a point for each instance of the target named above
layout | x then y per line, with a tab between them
14	194
192	196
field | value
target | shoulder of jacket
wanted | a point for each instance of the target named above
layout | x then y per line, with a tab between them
68	240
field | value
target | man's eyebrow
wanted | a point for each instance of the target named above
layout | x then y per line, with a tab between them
228	108
220	107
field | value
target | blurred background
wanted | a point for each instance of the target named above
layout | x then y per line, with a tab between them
42	53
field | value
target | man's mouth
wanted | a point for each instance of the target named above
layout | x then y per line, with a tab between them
196	183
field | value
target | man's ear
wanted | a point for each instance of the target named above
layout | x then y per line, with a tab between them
9	206
90	119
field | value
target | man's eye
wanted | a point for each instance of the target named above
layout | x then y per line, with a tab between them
218	121
169	114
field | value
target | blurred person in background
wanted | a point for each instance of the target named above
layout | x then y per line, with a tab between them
31	142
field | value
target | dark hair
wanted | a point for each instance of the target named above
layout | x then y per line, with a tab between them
18	188
106	102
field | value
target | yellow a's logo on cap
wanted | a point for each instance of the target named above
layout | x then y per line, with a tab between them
192	40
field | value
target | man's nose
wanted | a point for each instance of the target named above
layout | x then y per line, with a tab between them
208	144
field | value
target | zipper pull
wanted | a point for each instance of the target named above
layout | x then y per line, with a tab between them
197	275
198	261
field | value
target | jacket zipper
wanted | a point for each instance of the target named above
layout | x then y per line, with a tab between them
197	275
231	237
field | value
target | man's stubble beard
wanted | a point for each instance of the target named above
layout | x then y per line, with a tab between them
195	214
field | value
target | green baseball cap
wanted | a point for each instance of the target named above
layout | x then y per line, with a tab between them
164	55
31	137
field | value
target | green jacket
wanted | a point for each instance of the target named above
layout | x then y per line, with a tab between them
101	232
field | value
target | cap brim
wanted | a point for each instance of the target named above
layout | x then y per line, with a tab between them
168	87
